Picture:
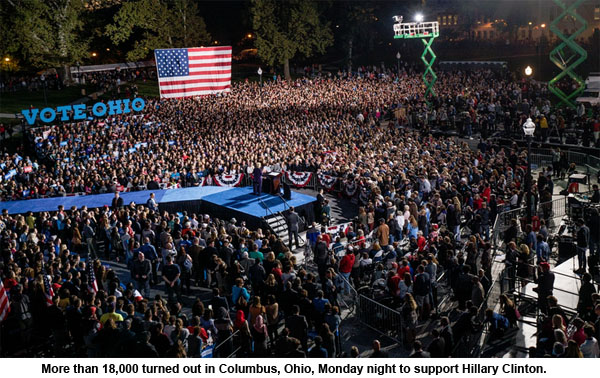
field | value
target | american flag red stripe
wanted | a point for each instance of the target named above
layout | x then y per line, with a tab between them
4	305
187	89
193	71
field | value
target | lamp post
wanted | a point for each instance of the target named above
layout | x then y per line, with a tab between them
2	69
78	73
43	79
528	71
529	130
260	72
398	58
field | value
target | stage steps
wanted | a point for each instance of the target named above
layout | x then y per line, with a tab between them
278	224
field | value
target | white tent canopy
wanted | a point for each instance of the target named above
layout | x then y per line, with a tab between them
110	67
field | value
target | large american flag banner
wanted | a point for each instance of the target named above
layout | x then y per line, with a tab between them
4	305
196	71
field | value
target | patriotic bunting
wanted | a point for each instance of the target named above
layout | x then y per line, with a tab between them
327	181
335	230
299	179
229	180
350	188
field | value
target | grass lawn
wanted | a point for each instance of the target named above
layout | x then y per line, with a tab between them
16	101
145	89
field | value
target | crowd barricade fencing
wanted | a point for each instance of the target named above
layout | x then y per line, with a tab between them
379	317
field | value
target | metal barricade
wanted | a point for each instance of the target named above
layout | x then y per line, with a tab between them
541	160
231	342
577	157
556	208
504	219
380	318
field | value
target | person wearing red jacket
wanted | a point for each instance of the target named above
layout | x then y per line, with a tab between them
346	264
421	242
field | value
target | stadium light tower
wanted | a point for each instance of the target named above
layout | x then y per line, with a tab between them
426	32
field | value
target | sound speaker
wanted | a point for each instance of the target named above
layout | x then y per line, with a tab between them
287	193
566	248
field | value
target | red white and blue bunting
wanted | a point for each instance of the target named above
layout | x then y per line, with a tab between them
335	230
229	180
350	188
327	181
299	179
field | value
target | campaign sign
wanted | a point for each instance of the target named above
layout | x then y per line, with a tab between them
78	112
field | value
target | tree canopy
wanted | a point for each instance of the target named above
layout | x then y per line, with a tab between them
49	33
285	29
154	24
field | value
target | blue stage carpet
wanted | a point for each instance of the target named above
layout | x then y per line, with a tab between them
243	201
238	199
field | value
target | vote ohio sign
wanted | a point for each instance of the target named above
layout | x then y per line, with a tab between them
78	112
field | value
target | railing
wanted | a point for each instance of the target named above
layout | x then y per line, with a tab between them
350	301
380	318
580	159
267	208
231	339
269	211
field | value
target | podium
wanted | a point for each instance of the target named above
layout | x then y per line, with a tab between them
271	183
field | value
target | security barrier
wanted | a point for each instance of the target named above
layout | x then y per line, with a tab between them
380	317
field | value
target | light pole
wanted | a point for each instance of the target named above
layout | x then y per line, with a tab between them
529	130
78	73
2	69
398	58
260	78
43	79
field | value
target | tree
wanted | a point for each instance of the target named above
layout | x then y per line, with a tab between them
49	32
155	24
285	29
356	26
190	28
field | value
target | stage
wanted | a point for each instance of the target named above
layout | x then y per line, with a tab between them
217	201
241	204
566	284
518	340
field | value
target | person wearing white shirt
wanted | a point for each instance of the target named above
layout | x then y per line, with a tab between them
590	348
399	224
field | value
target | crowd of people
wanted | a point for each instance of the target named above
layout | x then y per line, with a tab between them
339	125
98	80
427	205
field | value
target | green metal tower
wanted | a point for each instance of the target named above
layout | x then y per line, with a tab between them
426	32
572	50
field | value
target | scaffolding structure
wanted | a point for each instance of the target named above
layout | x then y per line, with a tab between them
426	32
568	54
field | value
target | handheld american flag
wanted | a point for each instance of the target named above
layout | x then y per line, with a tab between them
48	291
4	305
194	71
91	278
